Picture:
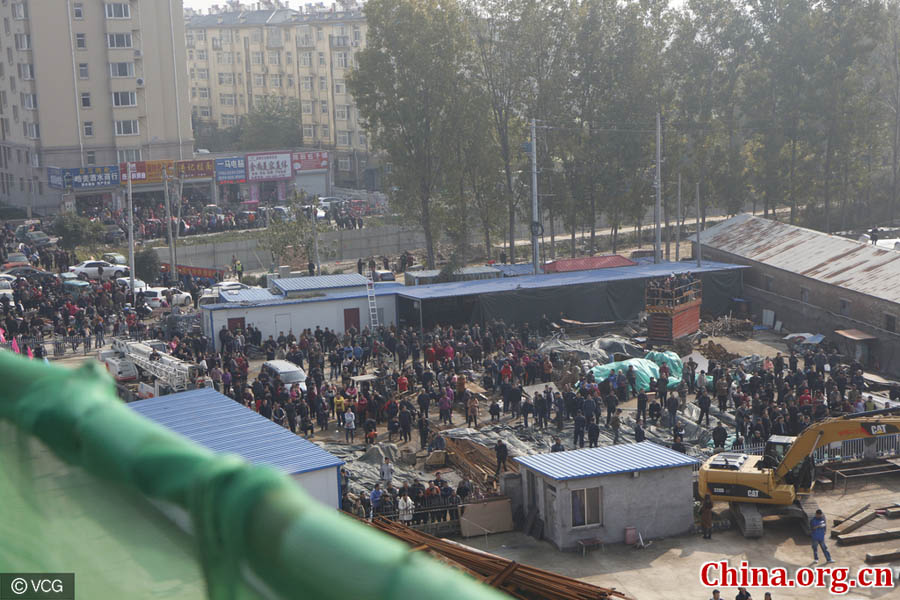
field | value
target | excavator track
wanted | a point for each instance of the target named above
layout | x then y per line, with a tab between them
747	518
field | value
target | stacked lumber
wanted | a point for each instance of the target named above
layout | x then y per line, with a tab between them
864	537
477	462
873	558
853	524
515	579
838	520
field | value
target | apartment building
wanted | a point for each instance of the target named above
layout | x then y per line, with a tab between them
236	59
85	85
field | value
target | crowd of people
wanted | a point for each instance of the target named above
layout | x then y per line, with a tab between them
673	290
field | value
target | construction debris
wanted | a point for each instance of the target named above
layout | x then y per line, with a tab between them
515	579
850	539
861	509
476	462
728	326
717	352
853	524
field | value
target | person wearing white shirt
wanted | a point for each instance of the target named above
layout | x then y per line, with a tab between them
406	507
387	471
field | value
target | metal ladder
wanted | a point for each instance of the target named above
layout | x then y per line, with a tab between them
373	308
178	381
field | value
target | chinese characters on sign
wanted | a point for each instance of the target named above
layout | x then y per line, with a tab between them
147	172
195	169
269	167
231	170
310	161
85	178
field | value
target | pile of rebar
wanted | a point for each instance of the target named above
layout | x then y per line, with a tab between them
477	462
515	579
727	326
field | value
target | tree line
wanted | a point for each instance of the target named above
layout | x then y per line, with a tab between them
789	105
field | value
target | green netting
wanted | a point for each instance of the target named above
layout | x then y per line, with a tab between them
644	369
77	471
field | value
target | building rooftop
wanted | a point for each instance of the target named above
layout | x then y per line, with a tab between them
476	270
606	460
517	270
319	282
278	16
248	295
838	261
584	263
489	286
381	290
217	422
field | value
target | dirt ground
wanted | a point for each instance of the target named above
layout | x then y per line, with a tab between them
670	567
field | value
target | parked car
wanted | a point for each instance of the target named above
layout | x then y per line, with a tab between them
10	278
384	276
115	258
288	372
126	283
90	269
156	296
38	239
31	273
6	289
74	285
113	234
17	257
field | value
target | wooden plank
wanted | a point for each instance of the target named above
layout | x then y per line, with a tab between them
853	524
892	513
873	558
839	520
849	539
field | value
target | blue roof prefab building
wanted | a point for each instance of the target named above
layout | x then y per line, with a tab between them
220	424
596	493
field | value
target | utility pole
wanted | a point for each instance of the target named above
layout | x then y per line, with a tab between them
657	250
130	168
678	223
535	216
315	224
699	251
173	270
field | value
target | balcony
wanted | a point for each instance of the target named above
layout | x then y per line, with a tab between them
340	41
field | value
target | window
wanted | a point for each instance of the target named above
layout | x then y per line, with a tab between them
78	11
193	92
31	130
203	93
306	108
23	41
768	282
290	81
343	163
15	113
362	139
90	157
203	111
844	307
226	78
305	59
118	10
226	99
228	121
190	55
203	74
306	83
890	323
128	155
321	59
287	58
274	57
340	112
121	69
587	507
201	35
259	80
29	101
275	81
118	40
83	71
324	107
225	58
326	132
88	128
256	36
20	10
26	71
124	98
340	87
6	25
256	58
127	127
357	35
202	55
85	99
308	131
343	138
804	295
341	60
319	35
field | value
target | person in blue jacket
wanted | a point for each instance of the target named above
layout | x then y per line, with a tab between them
817	527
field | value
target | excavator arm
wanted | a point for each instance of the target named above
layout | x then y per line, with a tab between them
857	425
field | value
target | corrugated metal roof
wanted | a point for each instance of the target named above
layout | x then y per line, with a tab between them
517	270
219	423
381	289
506	284
266	17
248	295
583	263
606	460
838	261
477	270
319	282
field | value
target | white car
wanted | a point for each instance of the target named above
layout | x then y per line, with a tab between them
90	269
9	278
156	296
6	289
125	282
225	286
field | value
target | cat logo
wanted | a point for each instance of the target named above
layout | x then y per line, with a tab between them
877	429
753	493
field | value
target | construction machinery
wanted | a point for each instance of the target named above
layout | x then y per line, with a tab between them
170	374
781	480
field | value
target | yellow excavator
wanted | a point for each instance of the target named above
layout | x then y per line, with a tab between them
780	481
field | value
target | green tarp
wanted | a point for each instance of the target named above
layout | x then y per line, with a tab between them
644	369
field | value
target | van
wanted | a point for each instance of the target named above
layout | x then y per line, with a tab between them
286	370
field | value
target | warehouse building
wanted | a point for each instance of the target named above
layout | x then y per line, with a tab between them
816	282
220	424
609	494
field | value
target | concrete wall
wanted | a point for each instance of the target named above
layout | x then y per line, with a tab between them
774	289
323	485
273	319
657	503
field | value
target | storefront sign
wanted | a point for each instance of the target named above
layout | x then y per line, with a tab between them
85	178
269	167
231	170
309	161
195	169
147	171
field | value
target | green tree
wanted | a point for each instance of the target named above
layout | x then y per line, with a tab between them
405	85
273	123
146	265
289	240
75	231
